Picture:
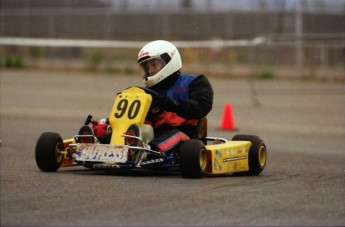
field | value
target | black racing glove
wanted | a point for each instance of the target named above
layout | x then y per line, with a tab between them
167	104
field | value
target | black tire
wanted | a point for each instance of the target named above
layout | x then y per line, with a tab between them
257	154
47	153
193	158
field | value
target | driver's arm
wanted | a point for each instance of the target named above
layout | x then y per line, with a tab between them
199	103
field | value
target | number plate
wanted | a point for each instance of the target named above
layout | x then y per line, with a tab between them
130	107
102	153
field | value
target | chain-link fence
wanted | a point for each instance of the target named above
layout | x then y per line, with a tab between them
184	25
296	43
266	59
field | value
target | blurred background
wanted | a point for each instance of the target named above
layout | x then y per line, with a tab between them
303	39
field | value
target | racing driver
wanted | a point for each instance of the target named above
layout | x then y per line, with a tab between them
183	99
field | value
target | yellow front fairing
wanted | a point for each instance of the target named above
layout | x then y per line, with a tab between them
228	157
131	107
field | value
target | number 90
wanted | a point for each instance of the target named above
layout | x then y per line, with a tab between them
133	109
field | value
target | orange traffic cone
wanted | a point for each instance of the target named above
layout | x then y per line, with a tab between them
228	118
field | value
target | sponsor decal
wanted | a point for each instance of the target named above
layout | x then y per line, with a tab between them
152	161
143	54
159	78
236	152
216	165
172	53
218	154
105	166
101	152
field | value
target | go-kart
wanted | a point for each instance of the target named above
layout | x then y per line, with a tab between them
128	147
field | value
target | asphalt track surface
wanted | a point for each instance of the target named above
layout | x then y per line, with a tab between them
302	123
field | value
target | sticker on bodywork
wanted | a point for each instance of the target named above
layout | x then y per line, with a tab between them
101	153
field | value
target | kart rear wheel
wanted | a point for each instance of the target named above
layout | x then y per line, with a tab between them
48	152
193	158
257	154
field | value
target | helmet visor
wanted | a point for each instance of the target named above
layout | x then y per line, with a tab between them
152	66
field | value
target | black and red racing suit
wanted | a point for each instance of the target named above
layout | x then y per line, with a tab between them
184	100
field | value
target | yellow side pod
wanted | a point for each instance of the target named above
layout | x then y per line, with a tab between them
228	157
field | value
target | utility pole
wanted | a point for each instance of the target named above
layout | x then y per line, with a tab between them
186	4
299	37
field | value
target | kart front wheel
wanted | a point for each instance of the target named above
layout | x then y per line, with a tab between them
193	158
257	154
48	152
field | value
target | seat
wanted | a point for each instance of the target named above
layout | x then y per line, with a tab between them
85	135
201	130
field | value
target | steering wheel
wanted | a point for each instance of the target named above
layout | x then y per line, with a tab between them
154	94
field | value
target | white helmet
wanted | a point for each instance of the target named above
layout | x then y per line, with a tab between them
164	56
